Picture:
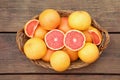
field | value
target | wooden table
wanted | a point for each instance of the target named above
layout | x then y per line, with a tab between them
15	66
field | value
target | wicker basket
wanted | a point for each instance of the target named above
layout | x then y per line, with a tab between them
21	38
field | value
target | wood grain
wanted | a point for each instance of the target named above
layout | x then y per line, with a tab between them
13	61
15	66
14	14
60	77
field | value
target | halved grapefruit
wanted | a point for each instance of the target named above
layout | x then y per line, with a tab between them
30	27
54	39
74	40
96	35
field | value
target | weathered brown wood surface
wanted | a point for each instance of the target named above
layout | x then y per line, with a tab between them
14	65
59	77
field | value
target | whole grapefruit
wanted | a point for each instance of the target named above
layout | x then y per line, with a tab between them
60	61
72	54
80	20
35	48
89	53
64	26
40	32
47	56
49	19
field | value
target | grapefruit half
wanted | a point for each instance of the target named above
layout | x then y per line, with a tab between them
30	27
74	40
95	35
54	39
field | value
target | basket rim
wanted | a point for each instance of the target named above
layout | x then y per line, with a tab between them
104	43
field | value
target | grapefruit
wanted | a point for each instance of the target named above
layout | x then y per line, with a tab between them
40	32
35	48
72	54
96	35
80	20
54	39
47	56
30	27
89	53
49	19
88	36
74	40
64	24
60	61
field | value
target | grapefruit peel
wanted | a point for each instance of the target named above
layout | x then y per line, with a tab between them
30	32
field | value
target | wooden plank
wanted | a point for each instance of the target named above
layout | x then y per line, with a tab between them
13	61
15	14
60	77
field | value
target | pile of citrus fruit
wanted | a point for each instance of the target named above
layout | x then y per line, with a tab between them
62	40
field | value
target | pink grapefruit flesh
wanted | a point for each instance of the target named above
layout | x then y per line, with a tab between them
95	37
54	39
74	40
30	27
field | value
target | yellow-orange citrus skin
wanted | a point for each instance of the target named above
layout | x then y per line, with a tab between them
47	56
35	48
88	36
80	20
60	61
49	19
64	25
40	32
72	54
89	53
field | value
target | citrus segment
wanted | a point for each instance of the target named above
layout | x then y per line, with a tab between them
49	19
60	61
74	40
35	48
89	53
54	39
30	27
